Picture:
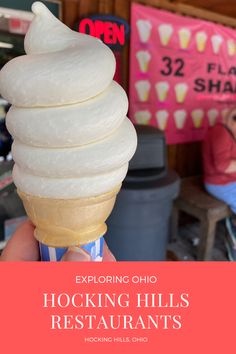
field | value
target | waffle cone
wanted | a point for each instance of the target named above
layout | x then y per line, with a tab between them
69	222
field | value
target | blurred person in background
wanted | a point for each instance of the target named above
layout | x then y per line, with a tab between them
219	165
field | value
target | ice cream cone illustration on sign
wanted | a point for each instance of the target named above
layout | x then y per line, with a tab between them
162	119
201	39
165	32
224	112
67	176
143	57
212	115
184	37
142	117
197	117
231	46
216	41
144	30
162	89
181	90
180	118
143	89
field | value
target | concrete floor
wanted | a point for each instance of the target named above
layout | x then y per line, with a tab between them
185	247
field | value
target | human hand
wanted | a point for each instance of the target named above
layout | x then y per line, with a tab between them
23	247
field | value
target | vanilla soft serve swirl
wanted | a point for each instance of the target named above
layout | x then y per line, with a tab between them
68	118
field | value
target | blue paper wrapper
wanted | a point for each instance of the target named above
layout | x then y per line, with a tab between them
95	249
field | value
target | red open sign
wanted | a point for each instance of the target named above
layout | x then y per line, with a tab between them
111	30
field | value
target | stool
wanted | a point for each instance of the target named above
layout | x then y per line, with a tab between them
195	201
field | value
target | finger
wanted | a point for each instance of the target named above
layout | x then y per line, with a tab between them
76	254
107	255
22	246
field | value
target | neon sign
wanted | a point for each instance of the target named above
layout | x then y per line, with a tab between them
112	30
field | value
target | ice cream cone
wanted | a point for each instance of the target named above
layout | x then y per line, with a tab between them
201	39
216	42
143	57
197	117
67	205
180	118
162	119
143	89
231	46
184	37
144	30
165	32
181	92
142	117
162	89
69	222
212	115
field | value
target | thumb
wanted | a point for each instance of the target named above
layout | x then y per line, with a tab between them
76	254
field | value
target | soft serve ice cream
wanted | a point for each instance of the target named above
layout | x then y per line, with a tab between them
72	138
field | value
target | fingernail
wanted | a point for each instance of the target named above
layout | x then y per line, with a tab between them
76	254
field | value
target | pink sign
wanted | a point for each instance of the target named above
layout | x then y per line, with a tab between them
182	73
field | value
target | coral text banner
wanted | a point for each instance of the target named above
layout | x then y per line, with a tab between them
182	73
152	307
